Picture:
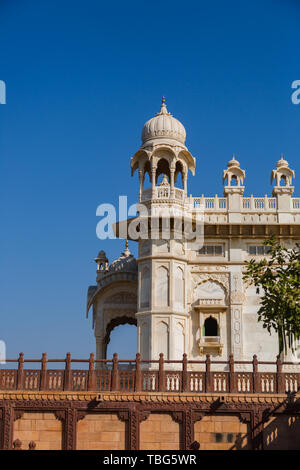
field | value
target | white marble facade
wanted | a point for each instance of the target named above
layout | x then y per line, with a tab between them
188	296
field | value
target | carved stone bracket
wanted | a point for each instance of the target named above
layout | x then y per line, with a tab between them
81	414
60	415
197	416
177	416
143	415
123	415
18	414
245	417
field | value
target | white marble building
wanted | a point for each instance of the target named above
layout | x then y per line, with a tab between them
185	296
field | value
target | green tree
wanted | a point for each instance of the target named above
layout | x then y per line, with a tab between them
277	279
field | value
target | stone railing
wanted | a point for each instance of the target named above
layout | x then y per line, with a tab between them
248	204
210	203
295	203
150	376
163	192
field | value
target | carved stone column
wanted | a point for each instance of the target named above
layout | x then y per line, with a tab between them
153	178
257	429
184	177
68	419
188	429
172	189
7	427
237	299
141	182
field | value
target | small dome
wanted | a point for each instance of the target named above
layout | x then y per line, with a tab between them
233	162
126	262
163	125
282	162
101	255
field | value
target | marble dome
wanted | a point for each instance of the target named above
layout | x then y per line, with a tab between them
163	125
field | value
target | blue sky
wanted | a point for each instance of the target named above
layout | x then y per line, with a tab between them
82	78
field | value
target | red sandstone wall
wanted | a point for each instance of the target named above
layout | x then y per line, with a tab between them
159	432
101	432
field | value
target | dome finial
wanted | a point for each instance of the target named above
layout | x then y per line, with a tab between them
163	108
127	251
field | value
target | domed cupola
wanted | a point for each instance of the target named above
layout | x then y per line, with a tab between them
163	152
163	125
125	263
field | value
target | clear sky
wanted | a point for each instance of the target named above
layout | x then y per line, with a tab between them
82	77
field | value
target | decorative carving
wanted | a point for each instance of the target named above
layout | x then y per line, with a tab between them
257	428
31	445
237	297
18	414
219	278
135	408
70	429
197	416
17	444
122	298
60	415
143	415
177	416
188	431
7	427
80	415
133	430
123	415
245	417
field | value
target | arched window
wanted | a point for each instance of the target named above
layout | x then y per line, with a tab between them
211	327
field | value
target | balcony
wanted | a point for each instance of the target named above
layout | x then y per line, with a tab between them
162	193
208	343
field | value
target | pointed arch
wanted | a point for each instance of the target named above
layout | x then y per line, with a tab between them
162	286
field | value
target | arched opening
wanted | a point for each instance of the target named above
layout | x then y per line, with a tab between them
282	180
162	169
179	174
147	175
233	181
211	327
121	337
